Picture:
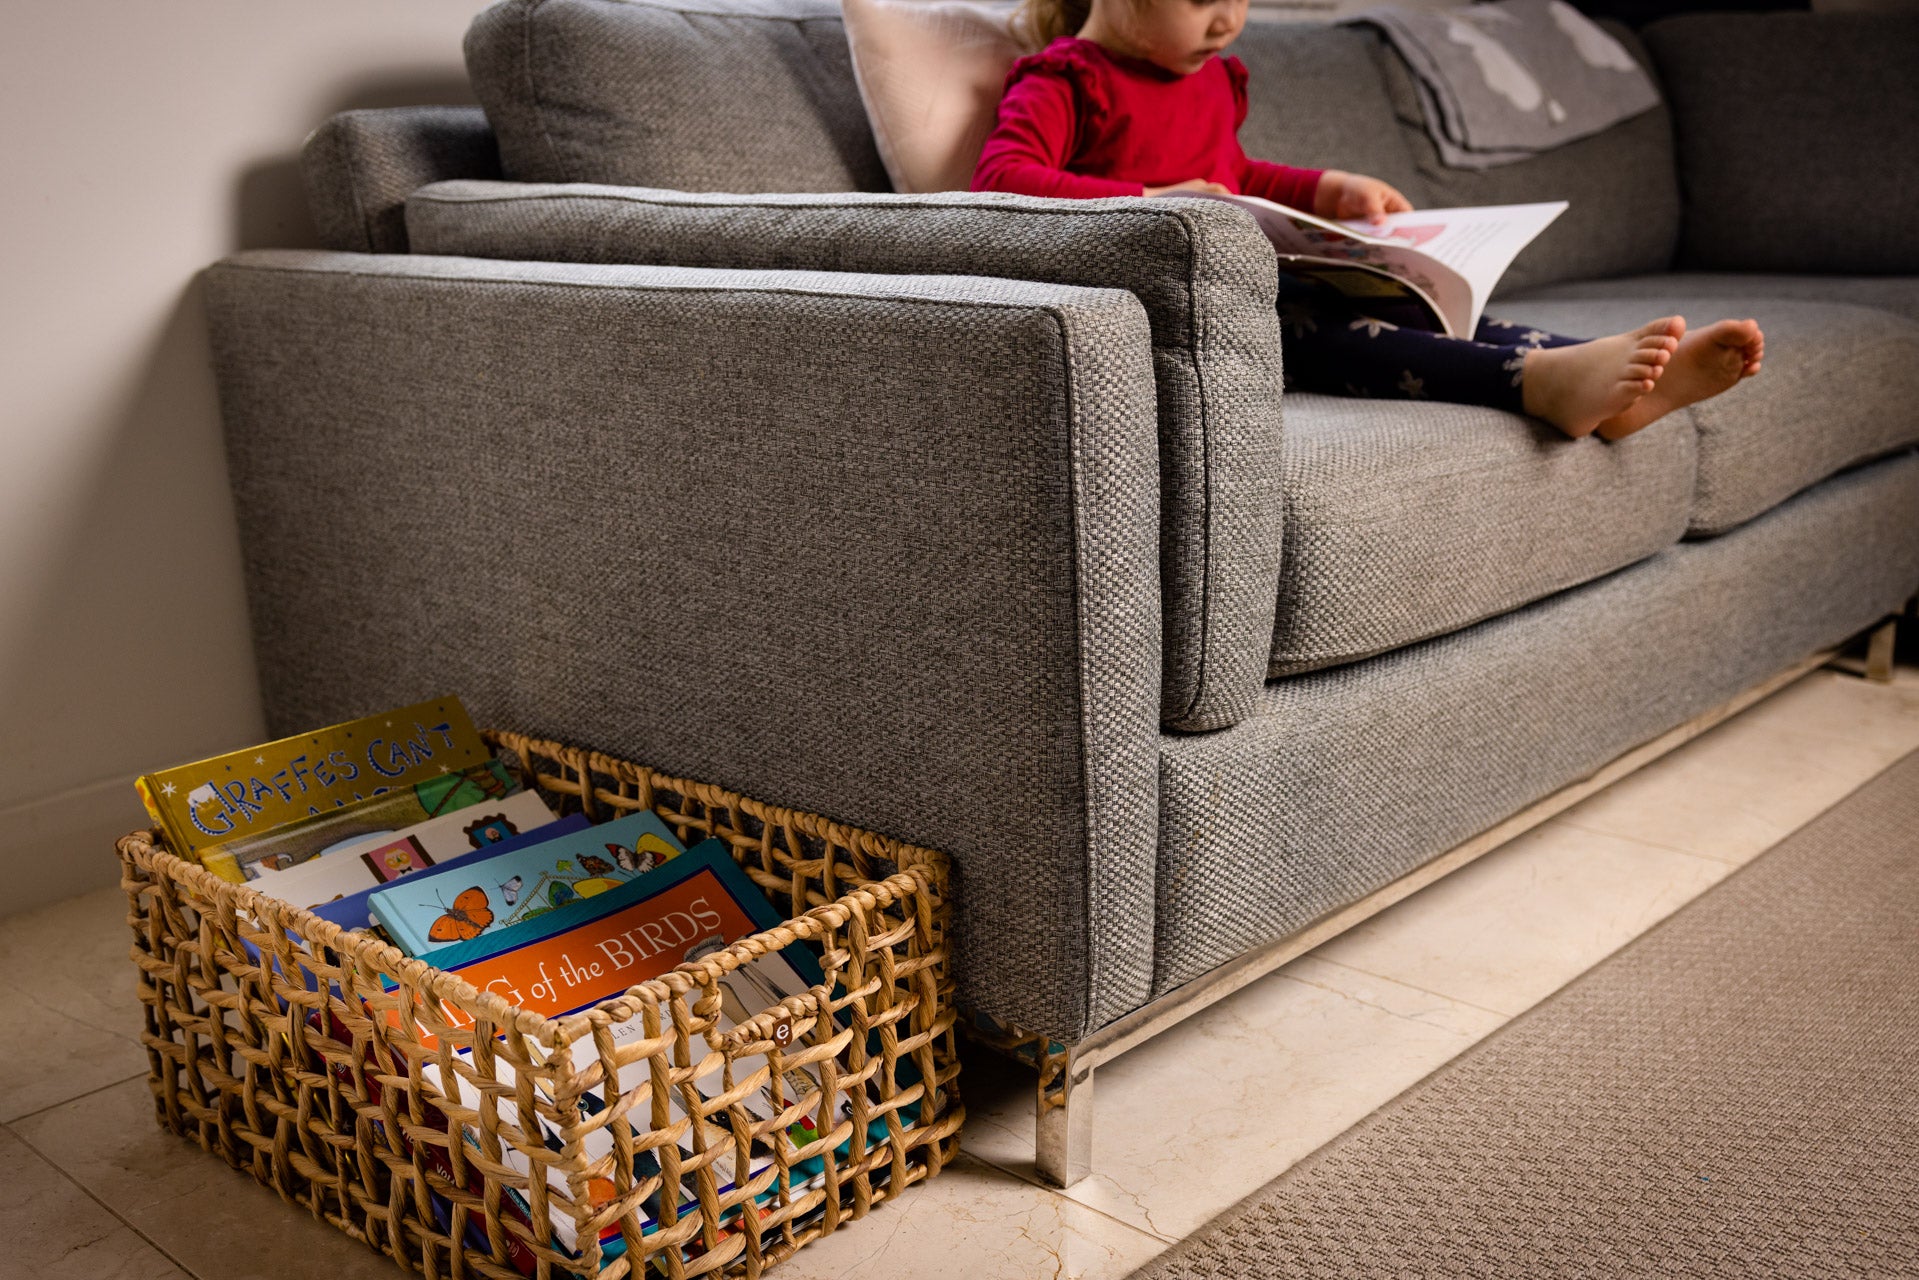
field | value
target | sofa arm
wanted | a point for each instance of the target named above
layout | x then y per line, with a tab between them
1204	273
359	167
878	547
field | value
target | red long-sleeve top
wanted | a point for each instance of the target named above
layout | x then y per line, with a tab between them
1079	121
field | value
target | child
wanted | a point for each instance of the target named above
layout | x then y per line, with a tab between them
1139	102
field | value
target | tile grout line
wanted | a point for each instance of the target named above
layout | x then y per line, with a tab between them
1398	982
1673	848
52	1106
1060	1194
1380	977
111	1212
1562	820
1756	854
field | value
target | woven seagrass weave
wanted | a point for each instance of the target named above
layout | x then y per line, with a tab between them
306	1056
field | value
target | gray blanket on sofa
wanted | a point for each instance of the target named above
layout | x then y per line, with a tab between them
1501	82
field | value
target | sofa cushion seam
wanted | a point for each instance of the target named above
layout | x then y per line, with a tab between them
572	285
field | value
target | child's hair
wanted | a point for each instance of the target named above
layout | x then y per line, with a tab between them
1040	22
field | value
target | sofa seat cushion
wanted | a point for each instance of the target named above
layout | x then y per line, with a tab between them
1411	520
1898	294
1840	386
1342	781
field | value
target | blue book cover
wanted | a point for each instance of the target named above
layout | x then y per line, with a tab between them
574	957
709	859
352	911
430	909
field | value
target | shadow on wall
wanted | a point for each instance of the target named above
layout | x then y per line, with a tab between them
132	649
131	644
270	207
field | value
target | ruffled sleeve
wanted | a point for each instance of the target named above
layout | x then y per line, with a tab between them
1236	77
1052	99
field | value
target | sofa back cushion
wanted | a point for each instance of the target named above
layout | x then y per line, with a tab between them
1316	97
1621	183
1798	139
1340	98
695	95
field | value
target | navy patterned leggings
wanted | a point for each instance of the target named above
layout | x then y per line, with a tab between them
1333	346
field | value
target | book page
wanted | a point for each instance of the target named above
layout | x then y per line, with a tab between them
1478	243
1454	257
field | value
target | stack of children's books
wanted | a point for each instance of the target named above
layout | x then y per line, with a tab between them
404	825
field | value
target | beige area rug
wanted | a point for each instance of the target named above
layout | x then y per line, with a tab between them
1734	1094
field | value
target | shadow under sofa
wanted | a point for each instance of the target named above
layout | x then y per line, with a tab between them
972	518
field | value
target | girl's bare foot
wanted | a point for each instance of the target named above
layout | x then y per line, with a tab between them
1577	388
1708	361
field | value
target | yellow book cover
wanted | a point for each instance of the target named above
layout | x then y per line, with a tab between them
248	792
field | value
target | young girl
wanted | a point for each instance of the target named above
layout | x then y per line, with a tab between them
1132	98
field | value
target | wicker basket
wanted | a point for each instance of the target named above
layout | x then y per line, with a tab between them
274	1043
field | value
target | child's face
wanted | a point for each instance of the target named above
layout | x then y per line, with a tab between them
1180	35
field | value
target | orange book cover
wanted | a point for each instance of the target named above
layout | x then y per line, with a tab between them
682	910
557	973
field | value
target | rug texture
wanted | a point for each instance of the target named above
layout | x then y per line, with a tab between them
1734	1094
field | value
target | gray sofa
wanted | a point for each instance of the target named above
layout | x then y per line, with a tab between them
973	518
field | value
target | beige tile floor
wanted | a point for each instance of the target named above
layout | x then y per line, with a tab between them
90	1187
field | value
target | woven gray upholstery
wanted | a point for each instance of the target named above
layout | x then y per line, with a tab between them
1349	778
1624	193
701	95
1840	385
1316	97
1405	521
879	547
1206	277
1798	139
360	166
1897	294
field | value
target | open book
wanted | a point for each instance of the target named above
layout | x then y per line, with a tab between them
1429	269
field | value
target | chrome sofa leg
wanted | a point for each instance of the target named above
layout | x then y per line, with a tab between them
1063	1141
1882	646
1879	652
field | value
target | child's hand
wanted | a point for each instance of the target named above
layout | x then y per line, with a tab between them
1356	197
1191	184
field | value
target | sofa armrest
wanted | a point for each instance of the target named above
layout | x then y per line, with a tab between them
1204	273
878	547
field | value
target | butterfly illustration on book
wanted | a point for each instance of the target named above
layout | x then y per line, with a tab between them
468	917
648	852
511	889
596	866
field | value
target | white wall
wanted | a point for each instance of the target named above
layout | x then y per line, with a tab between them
141	142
